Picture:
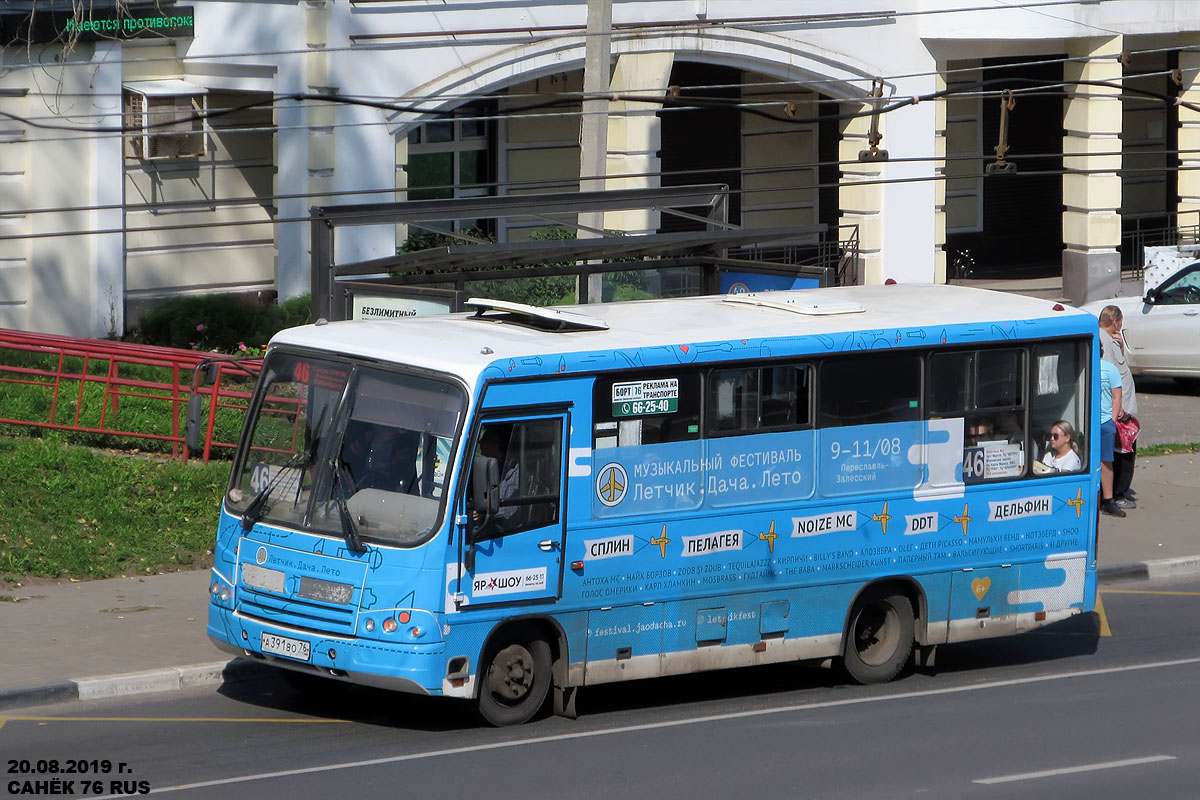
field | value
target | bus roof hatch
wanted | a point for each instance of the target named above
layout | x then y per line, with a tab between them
552	319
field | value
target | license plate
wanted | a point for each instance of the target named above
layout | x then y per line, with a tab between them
283	646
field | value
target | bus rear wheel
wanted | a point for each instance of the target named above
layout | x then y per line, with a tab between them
515	681
880	637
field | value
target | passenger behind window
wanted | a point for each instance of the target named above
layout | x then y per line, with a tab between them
980	430
1063	452
1002	428
494	443
379	457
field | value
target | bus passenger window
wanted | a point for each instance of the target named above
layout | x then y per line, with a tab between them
734	399
784	397
869	389
1058	377
987	389
633	409
758	398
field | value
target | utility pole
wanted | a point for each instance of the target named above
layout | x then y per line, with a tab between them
593	128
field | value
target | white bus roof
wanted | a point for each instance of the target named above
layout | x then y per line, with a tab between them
461	345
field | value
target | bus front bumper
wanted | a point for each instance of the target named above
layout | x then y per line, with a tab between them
410	668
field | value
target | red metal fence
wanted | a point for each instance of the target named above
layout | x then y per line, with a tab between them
134	392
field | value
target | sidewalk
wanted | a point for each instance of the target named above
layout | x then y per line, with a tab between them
95	639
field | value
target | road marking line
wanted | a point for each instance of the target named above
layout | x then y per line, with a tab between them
1149	591
1049	773
6	717
1104	629
650	726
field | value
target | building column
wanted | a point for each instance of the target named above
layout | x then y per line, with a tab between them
635	135
1092	182
862	203
297	127
1189	136
16	194
108	197
941	169
322	136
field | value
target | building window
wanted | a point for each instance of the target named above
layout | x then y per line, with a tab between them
165	119
452	157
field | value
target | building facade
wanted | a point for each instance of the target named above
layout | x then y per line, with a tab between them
239	117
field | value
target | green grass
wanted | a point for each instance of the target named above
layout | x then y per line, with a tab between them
70	511
1167	449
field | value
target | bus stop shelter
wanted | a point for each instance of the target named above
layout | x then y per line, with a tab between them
716	257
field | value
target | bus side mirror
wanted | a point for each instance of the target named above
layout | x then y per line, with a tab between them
206	373
191	435
1151	297
485	485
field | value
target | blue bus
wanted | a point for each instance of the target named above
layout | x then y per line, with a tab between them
511	503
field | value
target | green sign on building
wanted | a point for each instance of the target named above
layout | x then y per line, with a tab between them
41	25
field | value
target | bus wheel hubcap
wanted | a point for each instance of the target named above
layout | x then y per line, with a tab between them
511	675
877	634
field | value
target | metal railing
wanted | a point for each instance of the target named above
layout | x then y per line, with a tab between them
121	393
838	254
1142	233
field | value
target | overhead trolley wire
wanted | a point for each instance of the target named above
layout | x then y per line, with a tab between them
125	229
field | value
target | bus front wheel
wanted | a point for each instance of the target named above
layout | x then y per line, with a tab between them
516	680
880	638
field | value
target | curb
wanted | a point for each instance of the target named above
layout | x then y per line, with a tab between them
1150	570
159	680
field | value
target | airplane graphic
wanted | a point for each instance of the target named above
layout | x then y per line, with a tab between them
964	519
662	541
1078	502
770	536
882	518
611	490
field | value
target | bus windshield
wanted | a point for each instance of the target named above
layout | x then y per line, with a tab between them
380	454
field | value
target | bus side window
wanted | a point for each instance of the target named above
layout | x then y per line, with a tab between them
643	408
750	399
1059	385
894	396
987	389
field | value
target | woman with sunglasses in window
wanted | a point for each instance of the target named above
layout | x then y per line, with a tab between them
1063	455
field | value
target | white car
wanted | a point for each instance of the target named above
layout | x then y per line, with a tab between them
1162	329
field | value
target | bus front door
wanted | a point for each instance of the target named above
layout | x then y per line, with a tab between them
514	554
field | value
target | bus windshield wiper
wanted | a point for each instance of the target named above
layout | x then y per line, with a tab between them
258	505
349	526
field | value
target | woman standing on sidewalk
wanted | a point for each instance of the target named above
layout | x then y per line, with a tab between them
1110	407
1112	349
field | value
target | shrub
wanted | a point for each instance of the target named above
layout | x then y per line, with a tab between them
218	322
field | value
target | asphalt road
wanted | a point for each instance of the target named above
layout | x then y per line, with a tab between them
1169	411
1059	712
